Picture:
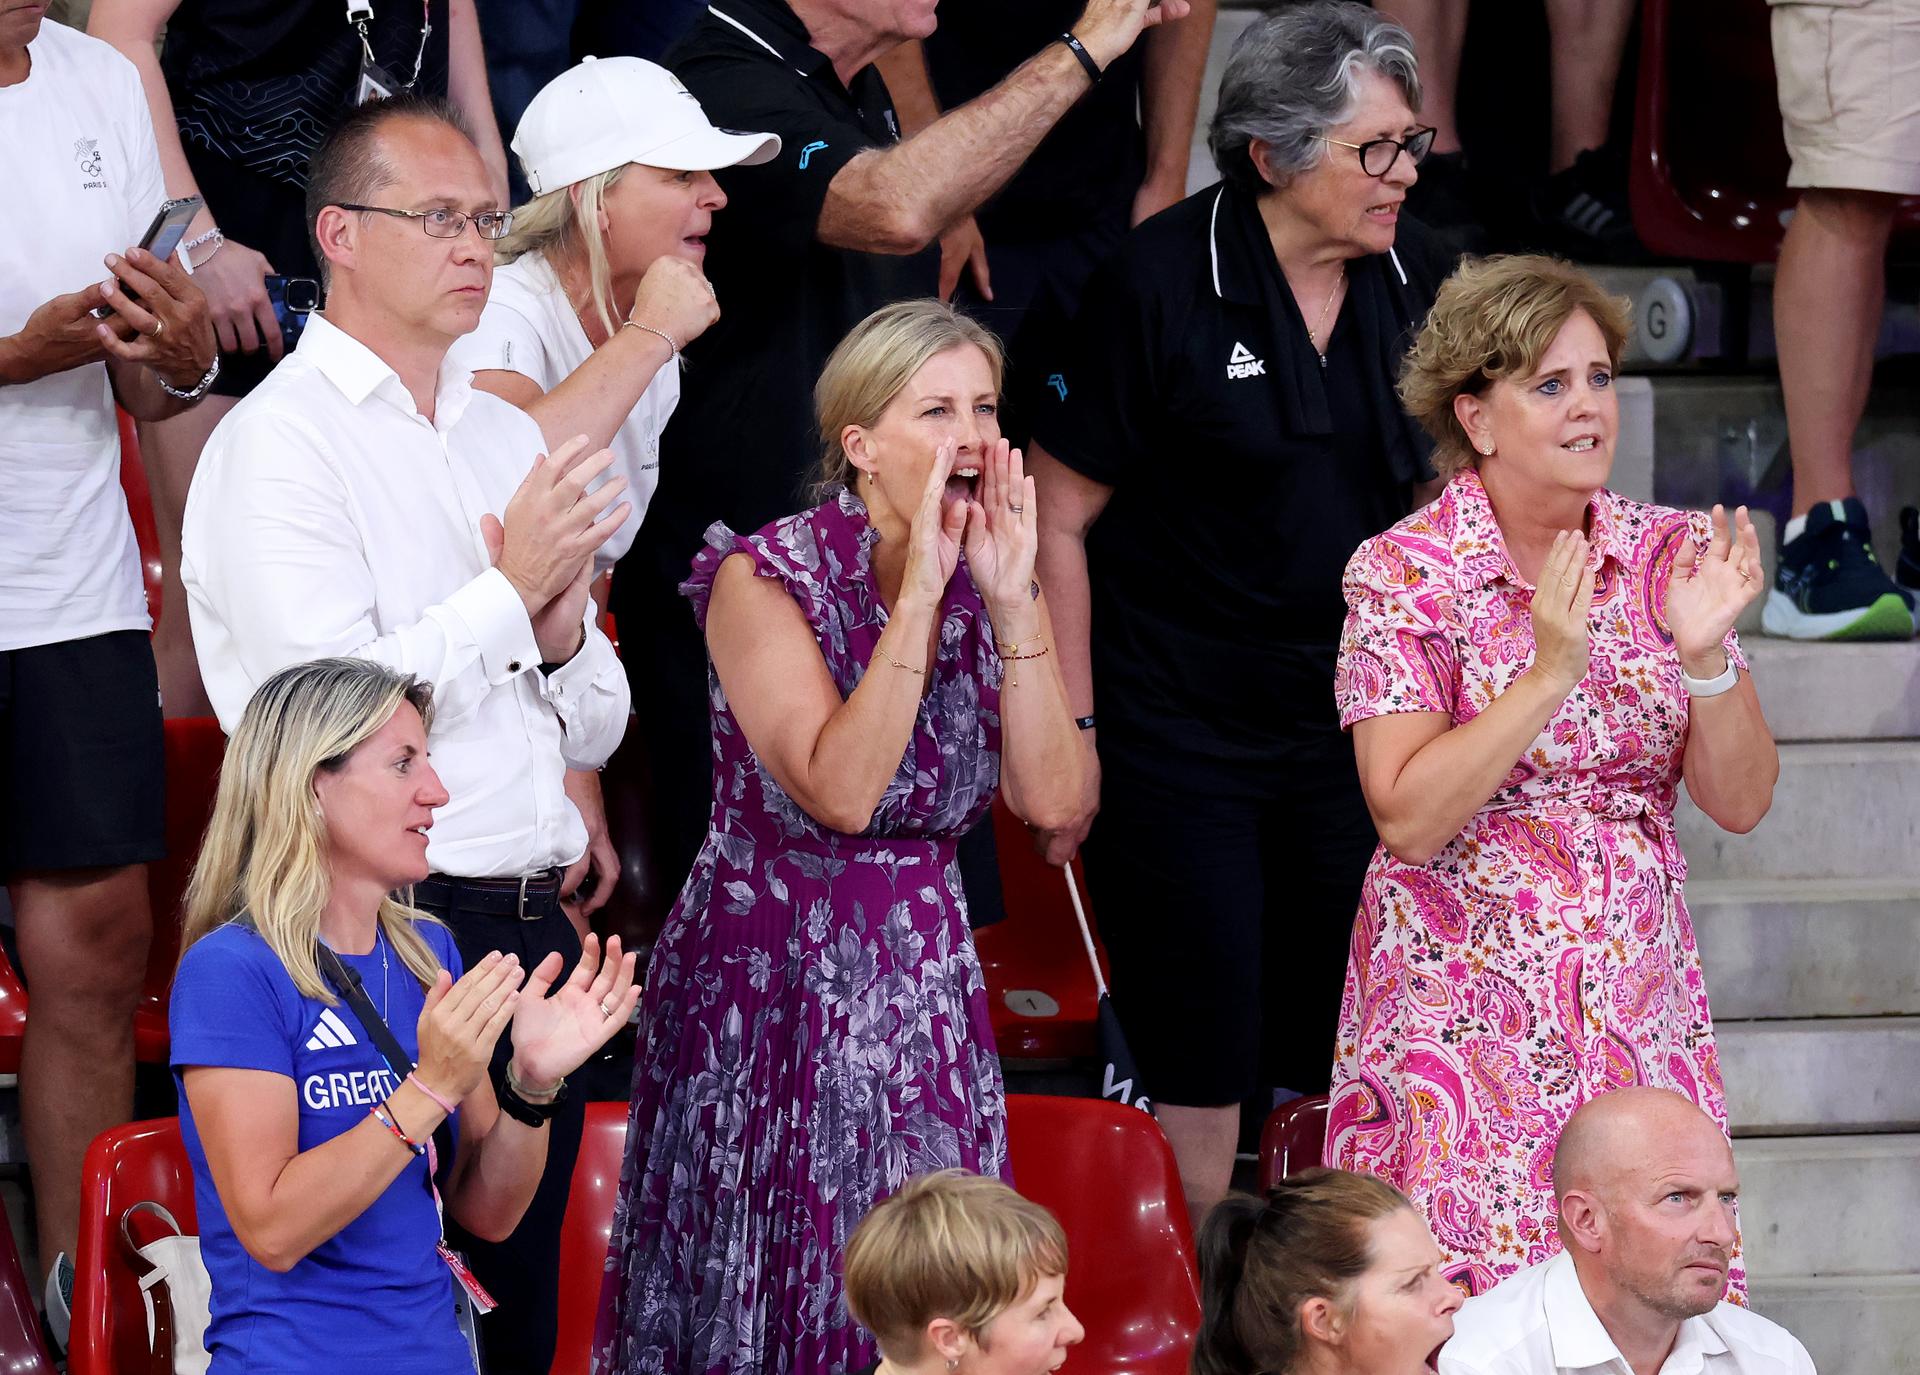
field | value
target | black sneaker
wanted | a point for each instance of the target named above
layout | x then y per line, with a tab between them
1829	586
1906	571
1442	200
1582	212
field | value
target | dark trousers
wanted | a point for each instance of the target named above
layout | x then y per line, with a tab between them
523	1272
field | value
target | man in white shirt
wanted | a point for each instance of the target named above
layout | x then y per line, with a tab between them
1647	1194
365	499
82	799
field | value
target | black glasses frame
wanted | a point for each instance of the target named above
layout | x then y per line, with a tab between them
1416	146
492	224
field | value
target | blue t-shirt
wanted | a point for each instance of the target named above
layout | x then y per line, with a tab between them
375	1296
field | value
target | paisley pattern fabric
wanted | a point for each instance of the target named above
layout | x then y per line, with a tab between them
1545	955
814	1028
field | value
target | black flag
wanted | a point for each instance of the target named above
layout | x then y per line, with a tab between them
1119	1080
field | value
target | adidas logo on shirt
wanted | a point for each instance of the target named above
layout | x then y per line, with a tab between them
1241	363
330	1033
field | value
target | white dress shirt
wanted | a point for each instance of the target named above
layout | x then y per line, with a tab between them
329	517
1538	1322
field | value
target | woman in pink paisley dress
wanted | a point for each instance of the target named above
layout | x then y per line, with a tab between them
1531	666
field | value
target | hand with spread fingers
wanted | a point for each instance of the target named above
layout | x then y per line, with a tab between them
1706	592
1560	605
933	540
172	327
554	1034
544	541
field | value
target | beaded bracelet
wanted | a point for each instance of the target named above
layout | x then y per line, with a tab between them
386	1119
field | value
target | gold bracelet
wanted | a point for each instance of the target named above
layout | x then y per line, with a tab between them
1013	674
897	664
1014	648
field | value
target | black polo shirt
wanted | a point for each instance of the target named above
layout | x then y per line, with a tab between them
1244	474
742	443
1090	164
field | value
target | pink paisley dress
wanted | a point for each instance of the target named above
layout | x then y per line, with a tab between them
1545	955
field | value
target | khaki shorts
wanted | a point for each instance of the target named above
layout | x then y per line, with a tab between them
1849	75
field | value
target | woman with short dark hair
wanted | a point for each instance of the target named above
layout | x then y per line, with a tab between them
1531	667
1218	435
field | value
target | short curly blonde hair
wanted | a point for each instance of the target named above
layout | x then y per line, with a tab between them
1495	318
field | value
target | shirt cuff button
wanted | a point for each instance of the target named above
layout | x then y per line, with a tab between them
513	665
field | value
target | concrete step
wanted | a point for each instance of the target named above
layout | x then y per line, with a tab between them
1809	947
1821	1078
1851	1326
1827	1206
1837	691
1839	811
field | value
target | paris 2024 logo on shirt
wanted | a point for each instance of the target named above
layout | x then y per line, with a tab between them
86	152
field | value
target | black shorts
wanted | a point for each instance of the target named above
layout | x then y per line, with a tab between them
82	755
1227	911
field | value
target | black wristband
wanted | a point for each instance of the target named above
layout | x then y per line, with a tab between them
520	1110
1084	722
1078	49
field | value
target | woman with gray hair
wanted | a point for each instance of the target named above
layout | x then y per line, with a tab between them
1251	333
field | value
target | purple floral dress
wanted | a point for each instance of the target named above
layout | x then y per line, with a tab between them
814	1029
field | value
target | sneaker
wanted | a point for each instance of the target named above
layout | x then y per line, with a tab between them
59	1298
1442	200
1829	585
1582	212
1906	572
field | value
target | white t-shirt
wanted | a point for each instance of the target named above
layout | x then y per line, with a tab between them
82	180
530	327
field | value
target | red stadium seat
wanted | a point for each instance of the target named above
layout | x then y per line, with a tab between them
1108	1174
195	748
133	481
13	1016
22	1352
1036	951
1293	1139
585	1234
1710	164
140	1162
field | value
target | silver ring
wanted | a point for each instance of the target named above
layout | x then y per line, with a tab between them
1015	509
605	1011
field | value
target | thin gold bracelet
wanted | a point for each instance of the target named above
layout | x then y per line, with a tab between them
897	664
1010	649
1013	674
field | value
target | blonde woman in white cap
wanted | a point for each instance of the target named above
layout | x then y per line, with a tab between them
600	283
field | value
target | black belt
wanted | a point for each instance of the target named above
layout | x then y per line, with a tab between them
531	897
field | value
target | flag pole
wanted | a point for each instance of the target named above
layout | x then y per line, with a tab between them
1086	932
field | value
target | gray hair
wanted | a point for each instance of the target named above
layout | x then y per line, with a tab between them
1293	75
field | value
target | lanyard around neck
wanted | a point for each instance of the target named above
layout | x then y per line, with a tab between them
360	16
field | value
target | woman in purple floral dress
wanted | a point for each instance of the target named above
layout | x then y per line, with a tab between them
814	1028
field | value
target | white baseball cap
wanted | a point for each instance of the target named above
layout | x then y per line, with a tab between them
609	112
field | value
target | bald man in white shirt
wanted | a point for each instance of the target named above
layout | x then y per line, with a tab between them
366	500
1647	1190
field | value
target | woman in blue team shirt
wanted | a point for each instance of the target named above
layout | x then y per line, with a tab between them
311	1159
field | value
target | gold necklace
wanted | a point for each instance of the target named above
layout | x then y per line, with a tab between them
1313	334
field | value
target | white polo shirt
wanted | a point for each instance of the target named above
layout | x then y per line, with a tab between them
530	327
82	180
1538	1322
329	517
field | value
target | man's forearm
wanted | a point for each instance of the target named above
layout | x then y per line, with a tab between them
1174	67
898	200
138	392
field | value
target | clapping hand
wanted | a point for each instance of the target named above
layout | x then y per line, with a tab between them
554	1035
1560	605
1003	535
1706	592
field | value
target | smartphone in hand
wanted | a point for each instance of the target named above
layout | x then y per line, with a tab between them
163	235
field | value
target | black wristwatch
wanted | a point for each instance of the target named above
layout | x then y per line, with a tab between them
520	1110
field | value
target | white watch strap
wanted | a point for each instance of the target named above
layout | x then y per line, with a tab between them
1711	687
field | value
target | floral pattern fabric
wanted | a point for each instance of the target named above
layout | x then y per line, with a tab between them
1545	955
814	1028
